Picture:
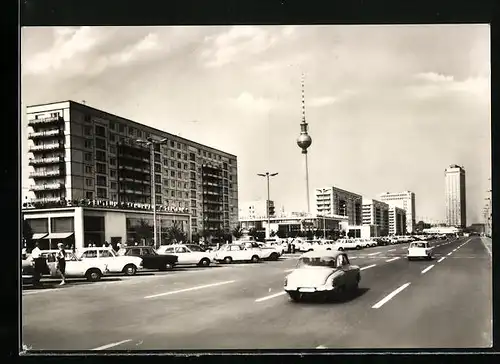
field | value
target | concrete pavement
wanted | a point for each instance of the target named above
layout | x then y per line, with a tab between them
400	304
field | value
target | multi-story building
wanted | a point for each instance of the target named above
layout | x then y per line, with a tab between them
256	209
376	213
397	221
404	200
335	201
455	203
79	152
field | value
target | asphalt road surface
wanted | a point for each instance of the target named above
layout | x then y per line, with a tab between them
444	303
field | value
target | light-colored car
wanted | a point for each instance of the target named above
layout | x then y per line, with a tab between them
325	272
188	254
345	244
115	263
420	250
229	253
91	269
324	245
270	252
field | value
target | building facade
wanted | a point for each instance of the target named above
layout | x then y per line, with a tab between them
335	201
404	200
96	222
79	152
256	209
397	221
376	214
455	200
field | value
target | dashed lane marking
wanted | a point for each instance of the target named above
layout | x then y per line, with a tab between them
372	254
368	266
270	296
390	296
392	259
190	289
427	269
104	347
449	253
391	250
321	347
440	260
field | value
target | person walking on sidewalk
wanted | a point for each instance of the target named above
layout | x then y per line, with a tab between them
38	261
61	263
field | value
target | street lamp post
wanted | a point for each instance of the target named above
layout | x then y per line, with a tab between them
267	175
150	142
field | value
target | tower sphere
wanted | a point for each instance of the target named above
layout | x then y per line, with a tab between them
304	141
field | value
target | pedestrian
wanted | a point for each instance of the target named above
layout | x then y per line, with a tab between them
36	255
61	263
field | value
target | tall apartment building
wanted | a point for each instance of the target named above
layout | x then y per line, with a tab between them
376	213
397	221
455	202
335	201
256	209
404	200
79	152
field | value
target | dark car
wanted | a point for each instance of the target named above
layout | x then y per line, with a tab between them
150	258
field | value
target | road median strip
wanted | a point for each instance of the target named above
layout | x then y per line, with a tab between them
190	289
390	296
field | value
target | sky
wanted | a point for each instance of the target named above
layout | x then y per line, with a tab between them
388	107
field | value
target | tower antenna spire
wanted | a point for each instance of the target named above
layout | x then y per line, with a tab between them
303	98
304	140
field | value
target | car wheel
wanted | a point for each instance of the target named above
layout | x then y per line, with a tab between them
274	256
228	260
130	270
295	296
167	266
356	283
328	249
340	248
255	259
409	258
93	275
205	262
358	247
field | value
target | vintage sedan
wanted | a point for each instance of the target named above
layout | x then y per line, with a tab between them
323	272
90	269
420	250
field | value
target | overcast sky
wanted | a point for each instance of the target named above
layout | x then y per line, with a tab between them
388	107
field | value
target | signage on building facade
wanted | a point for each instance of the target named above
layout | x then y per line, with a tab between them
105	204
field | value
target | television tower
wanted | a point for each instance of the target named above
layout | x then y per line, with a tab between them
304	141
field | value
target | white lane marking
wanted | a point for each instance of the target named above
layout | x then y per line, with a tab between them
190	289
392	259
440	260
289	270
374	254
271	296
449	253
369	266
427	269
387	298
486	246
391	250
104	347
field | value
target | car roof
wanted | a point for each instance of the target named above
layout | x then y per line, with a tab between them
326	253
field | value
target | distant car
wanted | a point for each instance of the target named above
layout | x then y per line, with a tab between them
229	253
344	244
116	263
188	254
420	250
150	258
322	272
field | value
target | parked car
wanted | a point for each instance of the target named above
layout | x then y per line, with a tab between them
188	254
116	263
91	269
345	244
420	250
324	272
150	258
269	252
229	253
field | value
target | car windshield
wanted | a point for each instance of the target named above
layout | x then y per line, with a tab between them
121	251
305	262
195	248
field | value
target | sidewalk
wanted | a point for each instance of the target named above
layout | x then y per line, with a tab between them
487	244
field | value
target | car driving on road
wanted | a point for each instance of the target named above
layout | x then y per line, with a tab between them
420	250
188	254
236	253
150	258
325	272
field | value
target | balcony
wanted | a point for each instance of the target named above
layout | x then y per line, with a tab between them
45	174
206	183
45	161
46	199
45	134
135	168
49	120
212	193
44	147
47	187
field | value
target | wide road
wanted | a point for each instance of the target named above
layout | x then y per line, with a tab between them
444	303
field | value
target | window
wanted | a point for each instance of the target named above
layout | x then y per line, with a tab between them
165	161
172	154
112	137
172	173
89	195
88	182
158	199
87	130
179	165
179	156
172	164
157	178
113	185
112	125
89	254
88	143
131	131
112	161
136	252
172	144
100	168
157	167
181	249
88	157
112	173
121	128
101	193
192	156
39	226
100	143
158	188
101	181
100	131
172	193
112	149
185	156
157	157
86	118
105	254
88	169
100	155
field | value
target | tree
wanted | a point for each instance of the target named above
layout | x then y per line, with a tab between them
237	231
253	232
174	234
28	236
144	230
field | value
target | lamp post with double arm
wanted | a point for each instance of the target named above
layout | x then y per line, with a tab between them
267	175
150	142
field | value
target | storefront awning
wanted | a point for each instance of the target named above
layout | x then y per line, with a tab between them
58	235
38	236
